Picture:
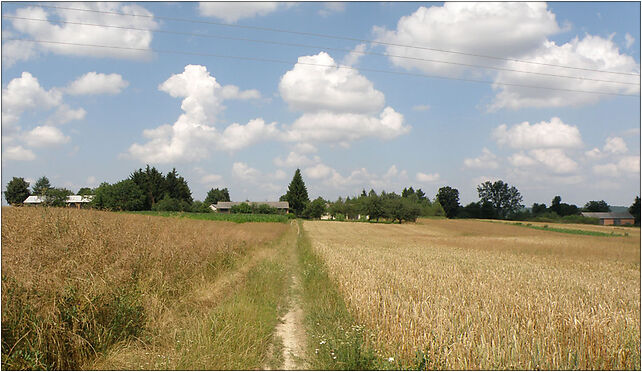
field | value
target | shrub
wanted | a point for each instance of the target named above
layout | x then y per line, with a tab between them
241	208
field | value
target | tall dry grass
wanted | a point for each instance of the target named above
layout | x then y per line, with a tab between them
475	295
75	282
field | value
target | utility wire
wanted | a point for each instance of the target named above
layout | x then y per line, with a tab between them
333	37
321	47
318	65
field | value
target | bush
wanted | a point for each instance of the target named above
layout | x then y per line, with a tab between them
201	207
264	209
241	208
171	205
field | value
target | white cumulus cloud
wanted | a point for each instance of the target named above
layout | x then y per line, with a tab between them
486	28
545	134
234	11
237	136
311	88
97	83
427	177
65	114
44	136
194	135
629	40
18	153
591	52
486	160
345	127
25	93
79	34
615	145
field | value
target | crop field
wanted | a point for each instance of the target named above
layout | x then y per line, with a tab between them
84	289
465	294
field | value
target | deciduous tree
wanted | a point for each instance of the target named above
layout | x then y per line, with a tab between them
215	195
449	200
597	206
504	199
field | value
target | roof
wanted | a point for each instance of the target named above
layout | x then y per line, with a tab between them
229	205
37	199
34	199
603	215
79	198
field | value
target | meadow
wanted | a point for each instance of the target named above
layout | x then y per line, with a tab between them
466	294
84	289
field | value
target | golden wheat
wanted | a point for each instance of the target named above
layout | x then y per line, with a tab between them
75	282
480	295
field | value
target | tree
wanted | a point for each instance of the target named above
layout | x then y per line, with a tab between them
421	195
168	203
297	195
241	208
373	206
538	209
56	197
597	206
449	200
504	199
85	191
556	206
177	188
215	195
315	209
634	209
17	191
400	209
124	195
563	209
152	183
41	186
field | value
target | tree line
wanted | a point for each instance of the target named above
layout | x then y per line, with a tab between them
149	189
144	189
498	200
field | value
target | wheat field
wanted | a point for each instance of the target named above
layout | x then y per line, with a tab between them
77	282
464	294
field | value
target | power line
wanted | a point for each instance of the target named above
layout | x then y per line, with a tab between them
337	38
321	47
318	65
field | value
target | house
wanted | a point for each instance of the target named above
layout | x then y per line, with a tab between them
71	201
225	207
612	218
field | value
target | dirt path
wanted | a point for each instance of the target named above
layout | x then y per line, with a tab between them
291	330
292	333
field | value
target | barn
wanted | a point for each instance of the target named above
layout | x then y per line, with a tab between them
612	218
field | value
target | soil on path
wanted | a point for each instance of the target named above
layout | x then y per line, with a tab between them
291	329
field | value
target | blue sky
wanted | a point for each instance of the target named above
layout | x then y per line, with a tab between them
84	115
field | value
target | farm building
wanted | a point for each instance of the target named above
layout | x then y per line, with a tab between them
225	207
611	218
71	201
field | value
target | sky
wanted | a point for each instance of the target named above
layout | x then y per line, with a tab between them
358	95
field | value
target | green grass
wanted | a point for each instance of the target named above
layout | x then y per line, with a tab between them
335	340
568	231
237	334
233	217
